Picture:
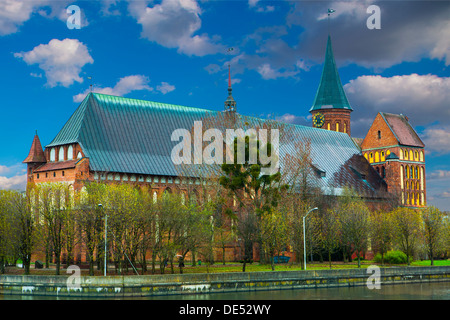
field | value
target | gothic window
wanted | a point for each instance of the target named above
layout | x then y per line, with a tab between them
405	153
401	177
421	156
79	155
70	153
61	154
337	126
383	158
52	154
401	154
379	134
377	157
155	197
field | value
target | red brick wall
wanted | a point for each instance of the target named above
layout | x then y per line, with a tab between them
334	116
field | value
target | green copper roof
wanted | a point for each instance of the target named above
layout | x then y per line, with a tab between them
134	136
330	94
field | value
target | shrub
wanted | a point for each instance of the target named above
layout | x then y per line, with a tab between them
395	257
391	257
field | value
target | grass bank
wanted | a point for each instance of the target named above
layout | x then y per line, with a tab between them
237	267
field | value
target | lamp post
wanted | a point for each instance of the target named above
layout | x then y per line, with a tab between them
106	237
304	240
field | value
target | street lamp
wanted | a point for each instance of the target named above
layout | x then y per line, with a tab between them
304	240
100	206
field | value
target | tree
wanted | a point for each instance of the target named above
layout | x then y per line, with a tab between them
53	206
89	218
381	233
256	192
274	234
327	229
354	217
407	230
26	227
433	223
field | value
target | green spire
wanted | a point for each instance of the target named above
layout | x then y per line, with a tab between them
330	94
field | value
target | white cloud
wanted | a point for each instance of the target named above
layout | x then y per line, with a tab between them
267	72
14	13
437	139
61	60
124	86
173	24
293	119
423	98
165	88
18	182
410	31
13	177
439	174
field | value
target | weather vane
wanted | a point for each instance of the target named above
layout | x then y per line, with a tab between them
330	11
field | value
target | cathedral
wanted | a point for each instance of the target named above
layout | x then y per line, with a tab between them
115	139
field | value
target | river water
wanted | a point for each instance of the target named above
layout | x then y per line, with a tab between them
415	291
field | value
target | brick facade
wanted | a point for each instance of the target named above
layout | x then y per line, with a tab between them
402	166
335	119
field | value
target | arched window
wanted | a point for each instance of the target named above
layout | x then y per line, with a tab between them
422	176
411	156
345	127
383	158
61	154
70	153
421	156
383	172
407	172
401	154
155	197
337	126
328	126
405	154
401	177
79	155
52	154
377	157
379	134
371	157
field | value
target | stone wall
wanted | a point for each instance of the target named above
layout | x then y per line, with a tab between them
139	286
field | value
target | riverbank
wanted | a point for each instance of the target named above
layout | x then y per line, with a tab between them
176	284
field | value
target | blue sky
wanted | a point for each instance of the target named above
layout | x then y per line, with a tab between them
175	51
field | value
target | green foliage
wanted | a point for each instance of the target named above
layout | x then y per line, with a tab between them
392	257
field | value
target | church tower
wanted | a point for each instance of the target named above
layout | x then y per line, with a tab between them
35	158
230	103
331	109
